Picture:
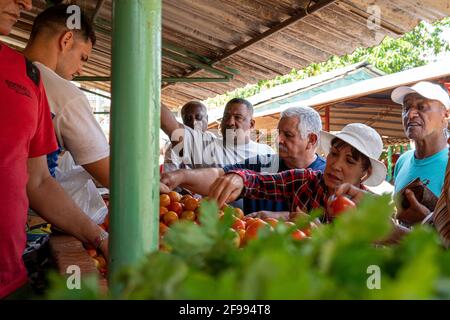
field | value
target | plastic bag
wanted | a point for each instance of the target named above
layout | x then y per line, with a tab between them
79	185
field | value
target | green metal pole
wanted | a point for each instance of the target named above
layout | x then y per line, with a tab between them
389	164
135	123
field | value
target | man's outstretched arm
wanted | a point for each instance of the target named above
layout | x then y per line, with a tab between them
196	180
168	122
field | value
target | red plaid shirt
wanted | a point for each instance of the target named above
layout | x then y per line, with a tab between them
302	188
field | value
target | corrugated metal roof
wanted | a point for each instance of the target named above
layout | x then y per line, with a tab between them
260	38
273	99
366	102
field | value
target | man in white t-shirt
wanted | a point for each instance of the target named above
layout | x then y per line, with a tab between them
199	149
195	116
60	53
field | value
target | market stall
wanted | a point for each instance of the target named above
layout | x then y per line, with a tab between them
170	58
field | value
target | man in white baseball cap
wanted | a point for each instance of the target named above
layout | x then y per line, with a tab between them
425	120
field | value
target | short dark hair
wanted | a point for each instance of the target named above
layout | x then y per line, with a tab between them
193	103
356	154
241	101
56	16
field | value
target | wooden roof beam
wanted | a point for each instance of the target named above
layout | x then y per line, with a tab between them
286	23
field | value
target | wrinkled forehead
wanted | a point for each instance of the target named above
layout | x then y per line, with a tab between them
288	124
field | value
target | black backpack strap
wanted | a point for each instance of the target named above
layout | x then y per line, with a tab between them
33	72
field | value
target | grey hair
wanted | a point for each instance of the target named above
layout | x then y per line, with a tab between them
309	120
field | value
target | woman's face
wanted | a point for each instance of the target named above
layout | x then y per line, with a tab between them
342	167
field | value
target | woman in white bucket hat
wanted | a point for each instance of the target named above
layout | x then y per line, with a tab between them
352	159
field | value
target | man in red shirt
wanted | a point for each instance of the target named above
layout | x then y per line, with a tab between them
26	136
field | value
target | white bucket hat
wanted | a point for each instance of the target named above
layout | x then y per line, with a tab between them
364	139
425	89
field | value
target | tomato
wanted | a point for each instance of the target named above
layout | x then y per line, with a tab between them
175	206
251	232
163	211
92	252
188	215
290	224
170	217
241	233
101	261
272	221
236	238
238	224
164	200
174	196
190	204
226	206
307	231
238	213
163	228
185	197
248	220
298	235
340	204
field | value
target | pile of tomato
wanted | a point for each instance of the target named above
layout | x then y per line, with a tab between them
175	207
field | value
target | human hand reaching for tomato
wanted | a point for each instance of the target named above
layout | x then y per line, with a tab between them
163	188
171	179
279	215
352	192
227	188
339	204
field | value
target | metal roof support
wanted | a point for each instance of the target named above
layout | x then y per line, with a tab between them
192	80
96	93
164	79
135	123
389	164
182	56
327	118
93	78
195	63
98	7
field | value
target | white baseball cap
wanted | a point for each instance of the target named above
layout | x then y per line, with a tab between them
364	139
425	89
